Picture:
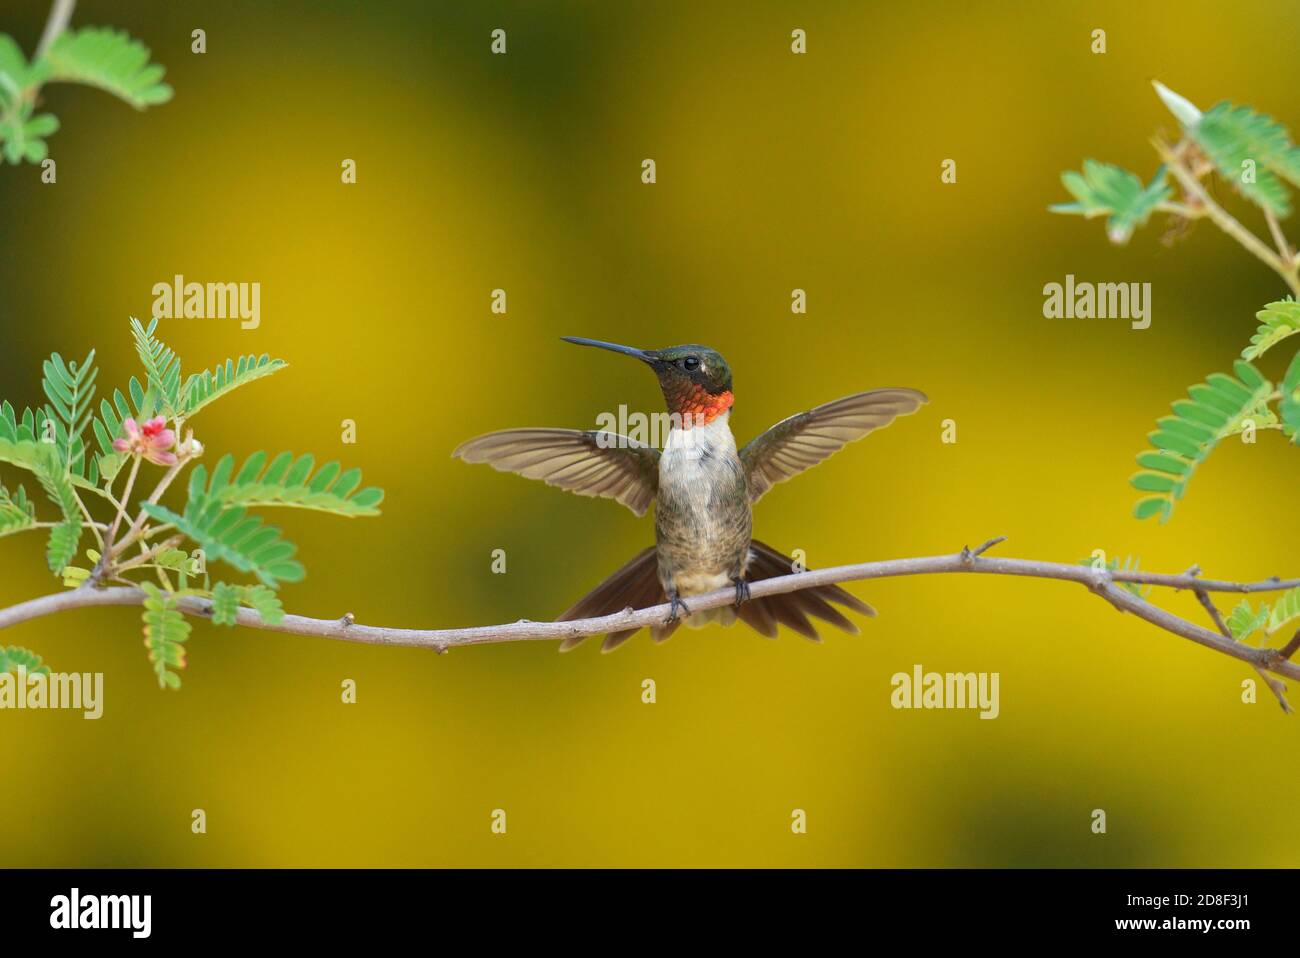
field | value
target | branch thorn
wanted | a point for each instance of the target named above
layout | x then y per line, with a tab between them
968	555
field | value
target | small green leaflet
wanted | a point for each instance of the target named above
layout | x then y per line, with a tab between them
23	133
165	631
1245	622
15	657
17	514
1107	190
1277	321
226	600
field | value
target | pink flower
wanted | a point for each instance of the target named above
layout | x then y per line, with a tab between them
152	440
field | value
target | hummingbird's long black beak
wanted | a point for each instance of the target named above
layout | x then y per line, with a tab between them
645	355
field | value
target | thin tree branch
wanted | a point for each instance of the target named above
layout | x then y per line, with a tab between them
1284	267
60	15
126	498
1276	686
1104	583
168	477
1284	249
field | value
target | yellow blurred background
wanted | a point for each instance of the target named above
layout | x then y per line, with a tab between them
775	172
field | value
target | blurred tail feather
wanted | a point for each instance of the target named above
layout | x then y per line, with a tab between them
792	609
636	585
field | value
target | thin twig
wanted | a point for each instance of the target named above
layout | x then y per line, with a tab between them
60	15
1100	581
90	521
133	533
1284	267
148	553
50	525
126	498
1283	247
1276	686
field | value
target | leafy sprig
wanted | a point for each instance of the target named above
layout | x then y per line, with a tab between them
1107	190
165	631
100	57
1283	616
109	60
16	513
1277	321
76	451
1258	157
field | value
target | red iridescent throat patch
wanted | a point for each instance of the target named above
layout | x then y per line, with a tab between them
698	407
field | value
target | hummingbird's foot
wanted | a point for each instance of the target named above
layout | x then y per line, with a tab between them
742	590
676	603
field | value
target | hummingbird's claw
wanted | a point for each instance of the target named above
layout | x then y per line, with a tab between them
676	603
742	590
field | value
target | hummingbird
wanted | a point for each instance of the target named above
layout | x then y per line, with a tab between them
703	488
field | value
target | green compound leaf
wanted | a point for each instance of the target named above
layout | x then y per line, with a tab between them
165	632
265	603
1214	409
62	544
1245	621
1285	611
291	482
226	600
23	134
17	514
1107	190
1277	321
109	60
211	384
162	368
70	389
225	603
230	535
15	657
43	460
40	428
1251	151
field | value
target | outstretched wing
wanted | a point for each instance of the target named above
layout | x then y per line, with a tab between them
802	441
591	463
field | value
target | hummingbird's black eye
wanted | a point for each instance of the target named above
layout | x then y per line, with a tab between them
691	363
